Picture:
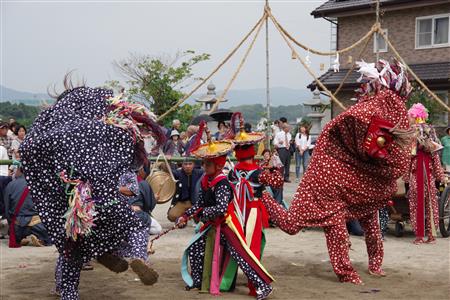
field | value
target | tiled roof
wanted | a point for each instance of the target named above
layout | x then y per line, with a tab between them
333	6
429	73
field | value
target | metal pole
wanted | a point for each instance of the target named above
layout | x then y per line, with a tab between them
267	77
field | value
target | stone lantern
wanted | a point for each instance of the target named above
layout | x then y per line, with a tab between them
209	99
314	107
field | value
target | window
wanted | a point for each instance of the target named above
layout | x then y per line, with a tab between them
432	31
442	118
379	42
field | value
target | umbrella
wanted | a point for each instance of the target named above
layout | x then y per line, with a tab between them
222	115
199	118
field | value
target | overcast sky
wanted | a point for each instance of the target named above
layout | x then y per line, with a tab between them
42	40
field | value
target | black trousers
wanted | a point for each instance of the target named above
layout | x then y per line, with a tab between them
4	180
285	157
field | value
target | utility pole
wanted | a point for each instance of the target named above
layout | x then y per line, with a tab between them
267	77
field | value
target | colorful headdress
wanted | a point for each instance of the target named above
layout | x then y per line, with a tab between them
383	75
215	151
419	112
135	118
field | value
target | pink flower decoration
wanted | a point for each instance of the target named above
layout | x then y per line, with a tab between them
418	111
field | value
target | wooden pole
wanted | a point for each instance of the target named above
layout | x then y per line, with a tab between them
377	16
268	129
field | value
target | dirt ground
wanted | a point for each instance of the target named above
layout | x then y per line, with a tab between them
299	264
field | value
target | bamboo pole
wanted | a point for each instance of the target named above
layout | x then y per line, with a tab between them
239	68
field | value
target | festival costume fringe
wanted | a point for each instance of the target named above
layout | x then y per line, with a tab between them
80	215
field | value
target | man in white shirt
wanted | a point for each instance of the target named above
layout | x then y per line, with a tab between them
275	128
281	142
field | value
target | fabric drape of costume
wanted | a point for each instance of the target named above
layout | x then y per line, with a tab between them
220	245
423	195
70	135
246	178
343	182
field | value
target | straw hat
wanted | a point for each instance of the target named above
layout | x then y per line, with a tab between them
211	149
240	137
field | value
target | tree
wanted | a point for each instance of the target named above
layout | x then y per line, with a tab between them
418	95
24	114
160	80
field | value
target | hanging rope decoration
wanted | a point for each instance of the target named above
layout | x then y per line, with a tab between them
183	99
376	28
310	71
241	64
352	67
227	58
368	35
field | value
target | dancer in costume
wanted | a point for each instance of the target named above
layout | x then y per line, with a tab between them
425	168
221	242
357	159
250	181
95	139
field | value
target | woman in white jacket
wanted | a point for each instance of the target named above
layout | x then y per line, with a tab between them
302	147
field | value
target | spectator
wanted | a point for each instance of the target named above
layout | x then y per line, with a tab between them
271	160
25	225
174	146
12	129
275	128
151	146
188	177
145	202
163	128
4	180
191	133
248	127
20	132
4	172
5	140
183	137
302	146
354	228
176	125
281	143
446	152
218	136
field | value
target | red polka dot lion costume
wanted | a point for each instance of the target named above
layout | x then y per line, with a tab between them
353	171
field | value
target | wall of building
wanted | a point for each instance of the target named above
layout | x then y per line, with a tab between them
401	25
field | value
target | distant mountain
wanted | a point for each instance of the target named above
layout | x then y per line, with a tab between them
278	96
14	96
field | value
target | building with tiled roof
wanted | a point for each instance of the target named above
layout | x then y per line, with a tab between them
419	30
